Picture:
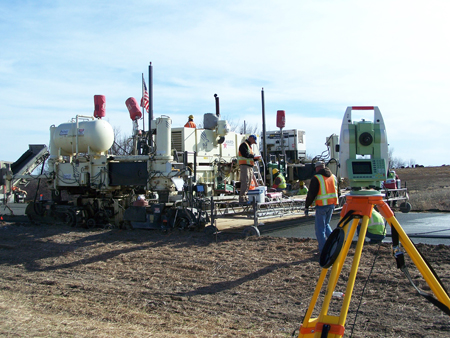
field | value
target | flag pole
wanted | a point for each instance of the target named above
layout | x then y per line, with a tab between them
150	104
143	108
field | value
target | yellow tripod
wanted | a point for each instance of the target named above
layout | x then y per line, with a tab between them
359	204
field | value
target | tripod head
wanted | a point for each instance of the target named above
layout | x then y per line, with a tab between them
363	150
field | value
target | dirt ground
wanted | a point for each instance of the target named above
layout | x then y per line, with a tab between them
58	281
428	187
425	178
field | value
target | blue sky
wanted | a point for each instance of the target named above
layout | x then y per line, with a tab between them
313	58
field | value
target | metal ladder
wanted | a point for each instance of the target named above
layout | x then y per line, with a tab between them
257	174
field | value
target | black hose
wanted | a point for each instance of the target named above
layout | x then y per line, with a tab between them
423	236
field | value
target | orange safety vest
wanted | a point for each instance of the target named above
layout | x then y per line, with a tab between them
190	124
327	192
245	160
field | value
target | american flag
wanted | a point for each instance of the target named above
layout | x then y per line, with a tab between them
144	100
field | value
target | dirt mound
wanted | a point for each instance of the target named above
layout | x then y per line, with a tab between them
59	281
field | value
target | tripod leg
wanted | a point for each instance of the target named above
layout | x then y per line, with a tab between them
417	259
350	233
337	323
339	263
308	327
309	324
354	270
315	327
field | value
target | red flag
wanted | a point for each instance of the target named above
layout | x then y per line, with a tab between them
144	100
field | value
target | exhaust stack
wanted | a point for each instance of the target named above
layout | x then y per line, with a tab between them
217	105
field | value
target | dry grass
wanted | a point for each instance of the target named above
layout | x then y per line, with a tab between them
428	187
65	282
430	200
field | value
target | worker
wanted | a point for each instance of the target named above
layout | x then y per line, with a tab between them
190	123
392	181
302	190
376	230
323	192
246	160
392	175
279	182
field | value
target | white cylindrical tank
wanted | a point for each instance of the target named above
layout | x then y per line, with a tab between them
163	138
95	136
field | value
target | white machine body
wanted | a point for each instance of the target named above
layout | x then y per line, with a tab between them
294	143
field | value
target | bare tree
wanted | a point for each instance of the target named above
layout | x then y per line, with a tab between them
248	128
123	145
309	157
234	125
398	162
390	157
244	127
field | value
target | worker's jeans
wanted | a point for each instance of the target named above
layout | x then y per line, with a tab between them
246	180
323	218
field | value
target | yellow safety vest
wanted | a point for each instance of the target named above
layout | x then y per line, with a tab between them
302	191
282	184
245	160
376	224
327	192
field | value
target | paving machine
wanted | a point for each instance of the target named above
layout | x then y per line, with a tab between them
162	183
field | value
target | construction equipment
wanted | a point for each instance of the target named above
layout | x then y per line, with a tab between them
291	142
169	168
172	168
25	165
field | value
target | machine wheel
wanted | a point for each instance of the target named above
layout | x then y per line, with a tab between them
182	223
33	213
210	230
251	231
405	207
101	217
91	223
70	218
332	248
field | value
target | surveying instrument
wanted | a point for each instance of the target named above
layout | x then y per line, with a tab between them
363	155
